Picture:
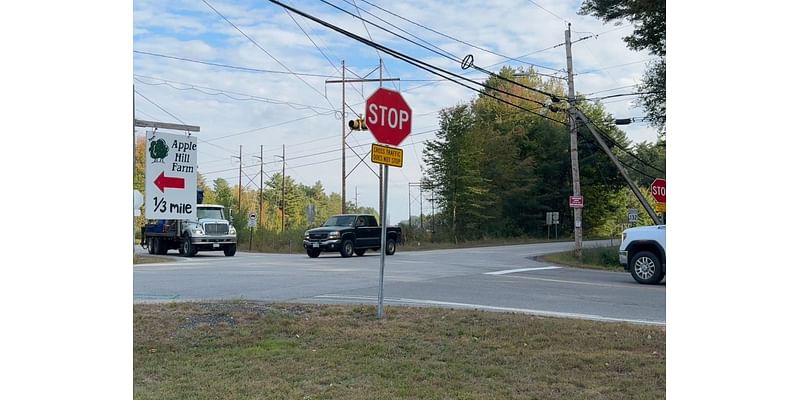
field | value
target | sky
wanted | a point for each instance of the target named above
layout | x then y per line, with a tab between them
252	74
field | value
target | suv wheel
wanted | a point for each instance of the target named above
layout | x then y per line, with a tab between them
646	268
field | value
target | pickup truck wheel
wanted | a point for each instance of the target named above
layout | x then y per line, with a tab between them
360	252
646	268
230	250
313	253
390	246
347	248
150	247
189	250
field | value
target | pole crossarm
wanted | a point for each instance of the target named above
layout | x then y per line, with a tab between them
165	125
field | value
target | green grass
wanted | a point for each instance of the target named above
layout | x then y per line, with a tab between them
237	350
604	258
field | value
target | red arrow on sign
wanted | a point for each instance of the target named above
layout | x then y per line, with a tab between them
163	182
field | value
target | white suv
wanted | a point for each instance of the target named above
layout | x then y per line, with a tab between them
643	252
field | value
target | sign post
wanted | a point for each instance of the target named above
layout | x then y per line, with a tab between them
251	222
171	176
389	120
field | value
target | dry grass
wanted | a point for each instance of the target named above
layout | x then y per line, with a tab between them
604	258
236	350
148	259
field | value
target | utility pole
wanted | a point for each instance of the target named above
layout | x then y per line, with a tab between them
240	178
344	81
573	145
283	190
261	187
344	177
356	197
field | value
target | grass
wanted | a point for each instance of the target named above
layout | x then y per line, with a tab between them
236	350
148	259
603	258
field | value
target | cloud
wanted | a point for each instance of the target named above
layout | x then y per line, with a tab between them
192	30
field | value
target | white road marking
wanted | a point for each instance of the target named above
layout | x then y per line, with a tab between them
511	271
491	308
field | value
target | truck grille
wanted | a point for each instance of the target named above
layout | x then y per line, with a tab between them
216	229
318	236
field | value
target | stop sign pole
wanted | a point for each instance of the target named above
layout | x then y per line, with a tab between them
388	117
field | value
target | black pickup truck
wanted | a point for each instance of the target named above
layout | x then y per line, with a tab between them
348	234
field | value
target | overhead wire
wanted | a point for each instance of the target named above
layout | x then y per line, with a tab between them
247	69
267	52
428	67
456	39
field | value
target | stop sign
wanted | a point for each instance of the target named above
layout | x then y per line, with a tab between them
388	116
659	190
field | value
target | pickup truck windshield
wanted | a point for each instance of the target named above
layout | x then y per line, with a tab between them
210	213
340	220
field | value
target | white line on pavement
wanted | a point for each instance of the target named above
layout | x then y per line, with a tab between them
511	271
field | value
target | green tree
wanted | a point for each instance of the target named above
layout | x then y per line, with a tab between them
650	33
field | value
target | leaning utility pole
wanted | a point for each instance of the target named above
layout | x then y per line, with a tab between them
616	162
573	145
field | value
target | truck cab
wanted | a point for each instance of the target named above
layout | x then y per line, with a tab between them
350	234
209	232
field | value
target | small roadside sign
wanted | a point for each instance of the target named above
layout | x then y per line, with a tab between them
387	155
661	207
251	222
633	215
576	201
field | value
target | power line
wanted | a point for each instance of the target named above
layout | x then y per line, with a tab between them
623	148
159	107
620	95
456	39
435	70
223	92
548	11
248	69
266	52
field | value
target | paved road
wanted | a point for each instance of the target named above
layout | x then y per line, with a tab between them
501	278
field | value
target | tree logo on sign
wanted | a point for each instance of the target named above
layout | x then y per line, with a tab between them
158	150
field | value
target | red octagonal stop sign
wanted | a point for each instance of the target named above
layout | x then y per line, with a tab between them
388	116
659	190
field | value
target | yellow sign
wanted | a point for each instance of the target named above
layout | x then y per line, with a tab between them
387	155
661	207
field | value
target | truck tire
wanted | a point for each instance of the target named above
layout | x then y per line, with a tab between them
360	252
150	246
313	253
347	248
189	250
230	250
646	268
391	246
159	246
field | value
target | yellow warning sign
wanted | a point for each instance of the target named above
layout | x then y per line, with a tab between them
387	155
661	207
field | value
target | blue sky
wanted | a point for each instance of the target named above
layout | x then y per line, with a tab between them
274	107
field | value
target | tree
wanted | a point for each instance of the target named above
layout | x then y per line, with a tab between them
650	20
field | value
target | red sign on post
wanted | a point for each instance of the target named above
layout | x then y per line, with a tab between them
576	201
388	116
659	190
